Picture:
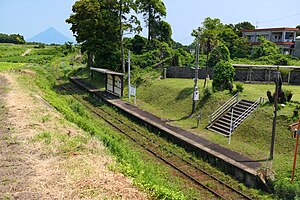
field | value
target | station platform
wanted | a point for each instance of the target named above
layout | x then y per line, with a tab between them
238	165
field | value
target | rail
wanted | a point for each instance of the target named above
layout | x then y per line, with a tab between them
223	108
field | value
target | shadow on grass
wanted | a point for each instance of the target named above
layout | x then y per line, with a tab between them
183	94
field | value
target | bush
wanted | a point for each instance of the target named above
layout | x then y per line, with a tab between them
223	74
207	92
286	190
239	87
288	94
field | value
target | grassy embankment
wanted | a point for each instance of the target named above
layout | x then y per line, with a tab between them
171	99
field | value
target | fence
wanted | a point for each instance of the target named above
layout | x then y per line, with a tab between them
243	74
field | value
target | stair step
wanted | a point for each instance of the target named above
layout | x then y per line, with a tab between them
222	126
248	101
241	106
224	122
220	130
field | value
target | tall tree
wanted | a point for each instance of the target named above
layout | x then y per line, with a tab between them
229	37
95	24
127	23
243	26
153	11
164	32
209	37
99	25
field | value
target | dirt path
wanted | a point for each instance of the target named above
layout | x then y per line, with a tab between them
37	153
26	52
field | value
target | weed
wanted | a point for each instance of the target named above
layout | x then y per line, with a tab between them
46	118
43	136
12	140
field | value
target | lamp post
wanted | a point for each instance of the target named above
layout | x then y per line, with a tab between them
196	91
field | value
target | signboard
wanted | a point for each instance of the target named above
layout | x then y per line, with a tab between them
132	91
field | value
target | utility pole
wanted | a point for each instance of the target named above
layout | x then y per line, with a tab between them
129	86
277	73
196	92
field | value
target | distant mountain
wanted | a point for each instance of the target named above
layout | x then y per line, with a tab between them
50	36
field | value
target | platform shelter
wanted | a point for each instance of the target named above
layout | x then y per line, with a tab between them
114	81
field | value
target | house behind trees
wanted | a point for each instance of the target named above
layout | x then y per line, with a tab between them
283	37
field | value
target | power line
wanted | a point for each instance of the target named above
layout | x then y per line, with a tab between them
278	19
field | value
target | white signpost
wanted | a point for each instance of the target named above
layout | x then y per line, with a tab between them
131	89
133	93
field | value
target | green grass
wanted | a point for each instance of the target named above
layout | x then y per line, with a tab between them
171	99
9	50
40	59
8	66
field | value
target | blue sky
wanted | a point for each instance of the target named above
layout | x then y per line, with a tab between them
29	17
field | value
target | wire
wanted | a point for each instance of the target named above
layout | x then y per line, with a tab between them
277	19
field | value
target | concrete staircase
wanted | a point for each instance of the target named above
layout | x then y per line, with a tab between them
233	117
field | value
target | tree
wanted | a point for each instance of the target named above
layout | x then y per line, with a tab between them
228	38
153	11
95	24
243	26
209	37
298	32
218	54
126	23
163	32
223	74
266	48
13	38
138	44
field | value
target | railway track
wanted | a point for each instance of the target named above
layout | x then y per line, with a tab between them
152	144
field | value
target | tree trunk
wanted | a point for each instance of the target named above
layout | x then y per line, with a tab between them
90	59
149	22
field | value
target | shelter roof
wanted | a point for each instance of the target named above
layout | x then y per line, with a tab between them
107	71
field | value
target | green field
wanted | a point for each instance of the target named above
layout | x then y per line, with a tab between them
9	66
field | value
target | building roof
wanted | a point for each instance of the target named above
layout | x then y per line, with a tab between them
106	71
271	29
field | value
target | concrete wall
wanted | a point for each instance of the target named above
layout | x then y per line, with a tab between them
241	74
297	47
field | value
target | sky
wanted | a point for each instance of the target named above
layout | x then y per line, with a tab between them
30	17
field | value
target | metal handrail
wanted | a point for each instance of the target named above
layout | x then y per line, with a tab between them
235	123
223	108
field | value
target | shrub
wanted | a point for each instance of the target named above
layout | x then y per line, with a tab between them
223	74
207	92
288	95
219	53
285	190
270	97
239	87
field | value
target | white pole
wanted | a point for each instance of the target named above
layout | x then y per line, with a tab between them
129	75
135	96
